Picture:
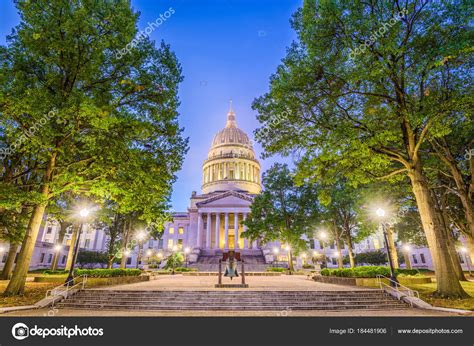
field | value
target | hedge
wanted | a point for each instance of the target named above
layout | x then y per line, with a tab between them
185	269
107	273
276	269
366	272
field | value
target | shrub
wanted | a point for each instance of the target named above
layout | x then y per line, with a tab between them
371	257
107	273
55	272
276	269
308	266
174	260
358	272
185	269
90	259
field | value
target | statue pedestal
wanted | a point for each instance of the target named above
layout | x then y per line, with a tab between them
231	286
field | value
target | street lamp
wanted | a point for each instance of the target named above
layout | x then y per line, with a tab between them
466	258
187	250
276	251
393	279
140	236
83	213
57	248
322	237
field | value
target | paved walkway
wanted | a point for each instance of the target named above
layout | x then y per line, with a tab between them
256	283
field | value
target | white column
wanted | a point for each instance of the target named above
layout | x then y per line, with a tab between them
208	233
246	241
226	231
199	235
236	230
218	222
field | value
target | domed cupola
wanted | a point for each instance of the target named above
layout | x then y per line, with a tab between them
231	162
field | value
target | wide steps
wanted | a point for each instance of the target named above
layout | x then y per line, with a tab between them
231	300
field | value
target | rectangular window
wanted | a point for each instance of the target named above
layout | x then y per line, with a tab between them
42	258
4	259
311	243
50	258
160	244
170	243
171	230
321	246
333	260
49	230
63	260
332	246
181	230
87	243
180	243
129	260
414	259
422	256
461	258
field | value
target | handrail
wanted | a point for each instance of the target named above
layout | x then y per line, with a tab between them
64	289
400	293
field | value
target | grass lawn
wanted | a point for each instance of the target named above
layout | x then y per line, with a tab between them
34	291
426	293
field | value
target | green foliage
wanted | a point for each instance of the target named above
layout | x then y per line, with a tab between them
308	266
107	273
85	258
371	257
366	272
185	269
276	269
175	260
55	272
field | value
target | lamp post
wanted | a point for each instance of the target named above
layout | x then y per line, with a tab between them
406	251
276	251
187	250
466	258
83	213
322	236
148	255
393	279
174	249
140	236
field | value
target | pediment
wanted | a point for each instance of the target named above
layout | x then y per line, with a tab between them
228	198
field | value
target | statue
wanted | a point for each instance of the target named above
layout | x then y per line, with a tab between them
231	266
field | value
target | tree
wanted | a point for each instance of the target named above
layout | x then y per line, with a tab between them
364	88
105	124
282	212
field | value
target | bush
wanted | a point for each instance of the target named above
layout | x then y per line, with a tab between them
107	273
357	272
55	272
371	257
308	266
174	260
276	269
185	269
90	259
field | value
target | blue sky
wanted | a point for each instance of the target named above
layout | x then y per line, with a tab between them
227	49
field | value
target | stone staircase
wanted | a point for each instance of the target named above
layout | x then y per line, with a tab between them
208	261
232	300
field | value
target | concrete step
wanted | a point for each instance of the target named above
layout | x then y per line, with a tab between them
231	300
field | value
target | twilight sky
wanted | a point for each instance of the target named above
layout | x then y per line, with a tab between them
227	49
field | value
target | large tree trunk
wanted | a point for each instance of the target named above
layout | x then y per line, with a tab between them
351	253
447	281
291	268
72	243
8	268
340	262
62	233
17	283
391	247
123	261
